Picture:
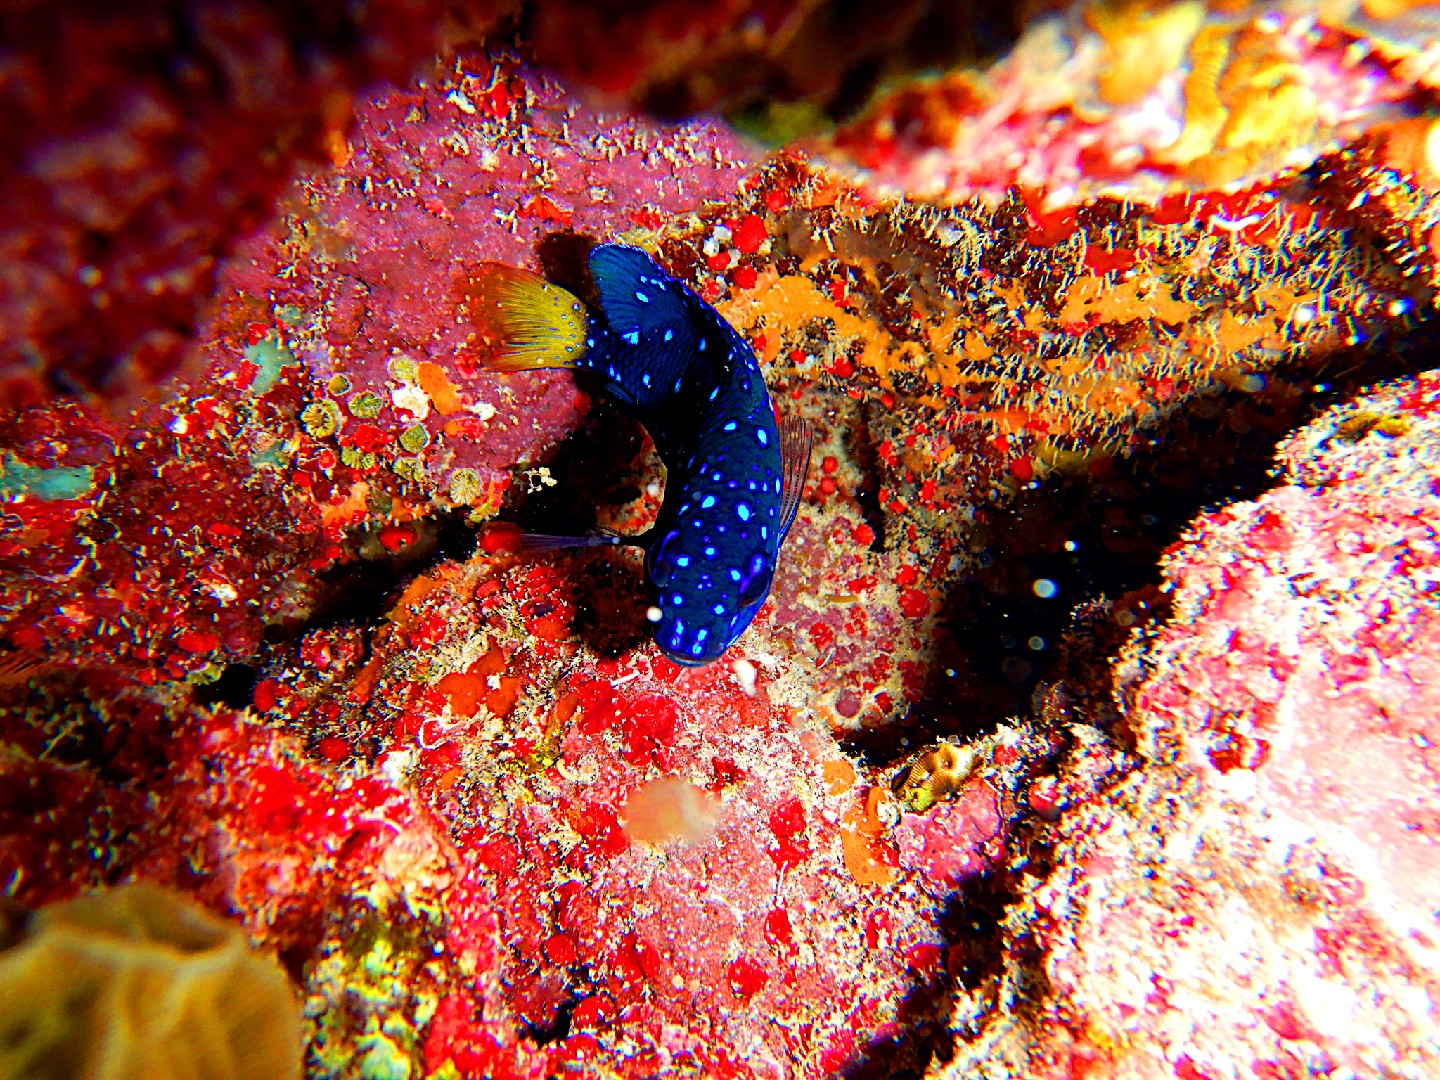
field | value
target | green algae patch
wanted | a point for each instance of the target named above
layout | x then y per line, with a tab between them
52	485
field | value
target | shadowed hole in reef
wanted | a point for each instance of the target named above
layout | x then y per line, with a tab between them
968	959
554	1031
235	688
359	592
599	467
1208	456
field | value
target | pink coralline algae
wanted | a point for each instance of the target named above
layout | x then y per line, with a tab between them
645	943
142	142
1259	899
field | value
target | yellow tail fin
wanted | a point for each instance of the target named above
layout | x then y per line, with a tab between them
522	321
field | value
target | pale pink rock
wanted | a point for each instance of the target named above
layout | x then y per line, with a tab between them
947	843
1259	897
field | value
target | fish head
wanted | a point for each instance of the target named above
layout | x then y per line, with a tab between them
703	598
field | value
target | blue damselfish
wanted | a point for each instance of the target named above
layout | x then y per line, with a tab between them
734	476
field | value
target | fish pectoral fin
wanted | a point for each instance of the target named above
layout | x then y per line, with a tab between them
639	299
797	438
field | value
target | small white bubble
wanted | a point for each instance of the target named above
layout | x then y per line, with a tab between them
1071	545
1036	644
1045	588
654	614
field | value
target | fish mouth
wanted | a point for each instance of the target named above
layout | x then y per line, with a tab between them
688	661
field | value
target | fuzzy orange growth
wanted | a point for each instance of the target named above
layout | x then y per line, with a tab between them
443	394
1143	297
483	683
839	776
562	715
406	608
865	859
787	307
349	510
363	688
873	823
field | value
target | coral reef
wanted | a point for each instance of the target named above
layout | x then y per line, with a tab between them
978	792
143	982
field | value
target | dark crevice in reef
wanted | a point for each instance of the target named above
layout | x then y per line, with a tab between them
867	460
235	688
359	592
973	961
1218	451
556	1030
600	466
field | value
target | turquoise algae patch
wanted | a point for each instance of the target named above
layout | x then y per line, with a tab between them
270	355
275	456
52	485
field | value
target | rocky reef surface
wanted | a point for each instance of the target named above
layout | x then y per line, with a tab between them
1088	730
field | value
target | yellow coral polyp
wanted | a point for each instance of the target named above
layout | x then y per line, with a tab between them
141	982
934	775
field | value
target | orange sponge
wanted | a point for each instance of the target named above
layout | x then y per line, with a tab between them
142	982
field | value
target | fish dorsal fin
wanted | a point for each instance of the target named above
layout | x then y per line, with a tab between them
639	299
797	436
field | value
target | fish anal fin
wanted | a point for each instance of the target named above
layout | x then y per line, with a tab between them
797	438
521	320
